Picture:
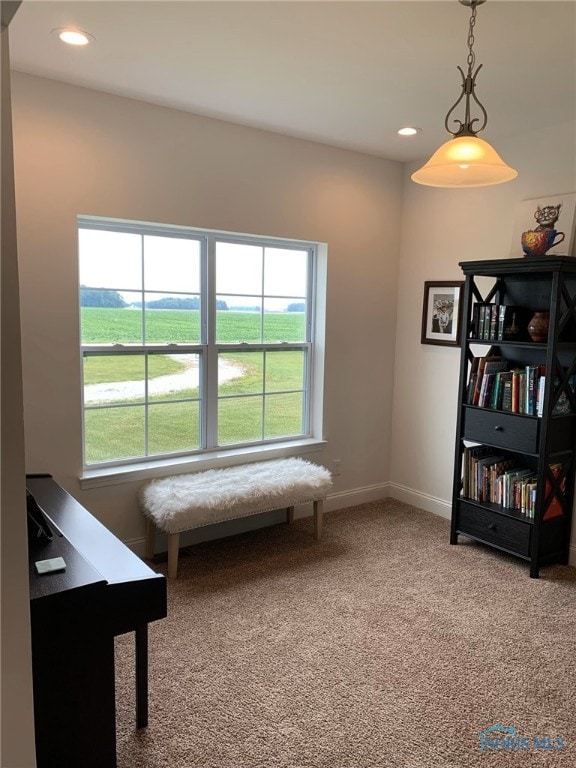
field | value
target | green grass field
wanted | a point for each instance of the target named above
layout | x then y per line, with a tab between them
252	406
113	326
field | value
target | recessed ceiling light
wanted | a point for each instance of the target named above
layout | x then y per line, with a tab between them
408	131
73	36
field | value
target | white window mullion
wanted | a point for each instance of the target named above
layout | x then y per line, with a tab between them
263	251
263	394
146	404
307	405
311	299
143	341
310	336
143	291
210	367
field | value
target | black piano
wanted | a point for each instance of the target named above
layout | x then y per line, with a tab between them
105	590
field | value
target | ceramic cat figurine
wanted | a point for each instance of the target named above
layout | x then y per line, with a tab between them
535	242
547	216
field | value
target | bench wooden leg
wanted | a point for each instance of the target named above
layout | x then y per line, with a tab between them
290	515
173	543
318	510
150	534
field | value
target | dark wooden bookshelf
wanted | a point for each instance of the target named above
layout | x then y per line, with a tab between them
538	443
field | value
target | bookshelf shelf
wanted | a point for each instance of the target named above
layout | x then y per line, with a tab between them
508	343
515	453
568	345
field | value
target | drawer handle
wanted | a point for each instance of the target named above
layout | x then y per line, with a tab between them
498	428
492	527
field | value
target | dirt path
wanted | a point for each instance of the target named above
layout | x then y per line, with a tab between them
172	383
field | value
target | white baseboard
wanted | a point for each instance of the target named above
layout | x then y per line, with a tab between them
438	506
356	496
335	501
425	501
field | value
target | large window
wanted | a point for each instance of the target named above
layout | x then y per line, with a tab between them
192	341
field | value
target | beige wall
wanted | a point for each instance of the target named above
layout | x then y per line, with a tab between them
82	152
16	722
441	228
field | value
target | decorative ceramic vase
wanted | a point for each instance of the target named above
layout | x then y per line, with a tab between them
538	326
535	242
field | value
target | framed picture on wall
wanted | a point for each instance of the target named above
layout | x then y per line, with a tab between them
441	313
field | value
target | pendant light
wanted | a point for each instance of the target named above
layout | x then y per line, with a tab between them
465	160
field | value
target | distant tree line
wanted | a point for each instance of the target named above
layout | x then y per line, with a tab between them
174	302
177	302
95	297
100	297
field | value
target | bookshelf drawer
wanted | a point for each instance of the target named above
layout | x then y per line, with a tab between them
492	528
505	430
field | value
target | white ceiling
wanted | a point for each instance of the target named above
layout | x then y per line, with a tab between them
343	73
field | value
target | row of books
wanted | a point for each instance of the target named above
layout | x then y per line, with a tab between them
499	322
499	479
492	385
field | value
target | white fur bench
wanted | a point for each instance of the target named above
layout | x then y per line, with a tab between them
183	502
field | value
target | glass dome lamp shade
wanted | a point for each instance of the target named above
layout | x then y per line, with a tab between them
464	161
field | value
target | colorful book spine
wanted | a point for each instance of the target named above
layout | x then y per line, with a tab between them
531	389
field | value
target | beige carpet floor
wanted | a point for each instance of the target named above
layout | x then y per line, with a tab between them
381	646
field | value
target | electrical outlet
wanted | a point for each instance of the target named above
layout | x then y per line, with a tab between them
337	465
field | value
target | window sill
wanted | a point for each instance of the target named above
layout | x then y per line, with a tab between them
147	470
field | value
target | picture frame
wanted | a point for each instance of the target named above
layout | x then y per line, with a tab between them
442	312
565	224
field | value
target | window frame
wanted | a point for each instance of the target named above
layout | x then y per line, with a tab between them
209	349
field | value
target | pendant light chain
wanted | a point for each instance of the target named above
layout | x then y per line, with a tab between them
471	55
